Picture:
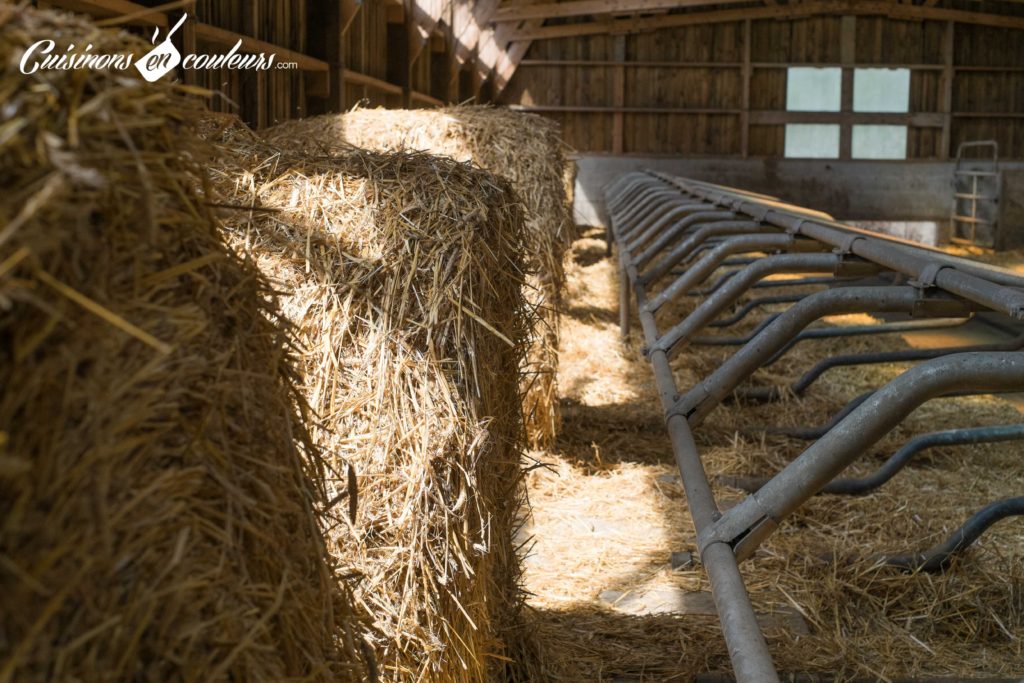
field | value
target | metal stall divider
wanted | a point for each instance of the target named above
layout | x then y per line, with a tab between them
674	234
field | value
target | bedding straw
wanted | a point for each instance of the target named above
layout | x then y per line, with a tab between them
158	492
526	150
403	274
610	509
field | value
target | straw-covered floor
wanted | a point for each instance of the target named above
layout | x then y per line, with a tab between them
609	510
527	151
403	274
157	518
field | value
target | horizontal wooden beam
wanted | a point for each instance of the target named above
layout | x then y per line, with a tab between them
371	82
629	64
583	109
144	16
791	11
425	98
106	9
918	120
763	118
578	8
756	65
225	38
988	115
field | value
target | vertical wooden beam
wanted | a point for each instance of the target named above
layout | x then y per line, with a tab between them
250	26
619	94
745	93
185	42
946	93
847	57
336	57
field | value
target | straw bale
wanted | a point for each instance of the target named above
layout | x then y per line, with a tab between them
403	273
526	150
157	513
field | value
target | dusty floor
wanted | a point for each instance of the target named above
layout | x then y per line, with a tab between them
608	511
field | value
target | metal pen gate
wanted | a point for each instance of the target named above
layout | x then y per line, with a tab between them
674	235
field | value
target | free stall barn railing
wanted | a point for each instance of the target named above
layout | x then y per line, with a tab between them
674	235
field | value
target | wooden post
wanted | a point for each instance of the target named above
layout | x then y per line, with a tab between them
745	94
185	42
619	94
250	26
946	99
847	57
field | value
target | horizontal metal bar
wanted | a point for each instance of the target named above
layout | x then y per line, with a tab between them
988	286
834	331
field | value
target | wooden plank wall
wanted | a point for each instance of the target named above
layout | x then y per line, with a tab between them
348	53
684	88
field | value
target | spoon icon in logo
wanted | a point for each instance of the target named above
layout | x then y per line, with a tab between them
162	58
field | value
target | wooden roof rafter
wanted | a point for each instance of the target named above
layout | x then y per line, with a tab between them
892	10
578	8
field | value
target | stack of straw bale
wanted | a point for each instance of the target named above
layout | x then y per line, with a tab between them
403	274
157	517
526	150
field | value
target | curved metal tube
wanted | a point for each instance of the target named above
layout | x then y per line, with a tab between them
839	331
710	262
747	524
706	395
812	433
731	290
656	221
899	459
675	232
939	557
852	359
758	302
694	240
663	214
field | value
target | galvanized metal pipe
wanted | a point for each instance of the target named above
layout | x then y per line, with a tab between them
749	523
745	278
710	262
748	650
987	286
723	539
696	239
663	238
938	558
699	401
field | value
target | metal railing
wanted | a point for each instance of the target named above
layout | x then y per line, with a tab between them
674	238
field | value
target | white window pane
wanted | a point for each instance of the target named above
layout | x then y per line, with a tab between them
879	142
810	89
881	90
812	140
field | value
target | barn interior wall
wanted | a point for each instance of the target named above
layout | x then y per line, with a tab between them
848	190
720	89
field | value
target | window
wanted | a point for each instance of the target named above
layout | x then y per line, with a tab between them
875	91
879	142
881	90
812	140
811	89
